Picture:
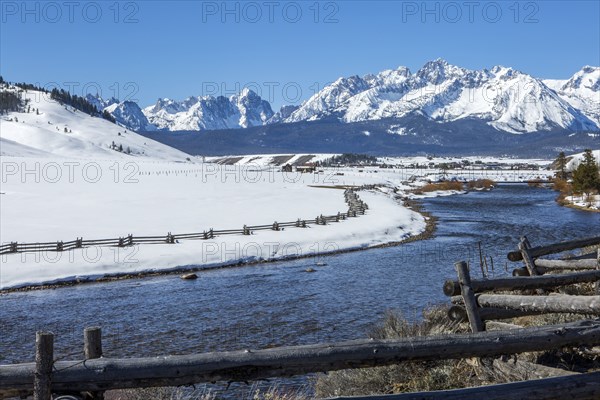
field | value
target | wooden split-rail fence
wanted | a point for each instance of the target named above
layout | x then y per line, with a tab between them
356	207
478	301
90	377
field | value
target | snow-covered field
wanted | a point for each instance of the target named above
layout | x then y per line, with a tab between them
62	179
63	199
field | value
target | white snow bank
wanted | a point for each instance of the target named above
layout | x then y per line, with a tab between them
46	200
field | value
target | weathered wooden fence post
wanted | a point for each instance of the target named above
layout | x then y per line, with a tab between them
598	268
464	280
524	247
92	348
44	359
92	343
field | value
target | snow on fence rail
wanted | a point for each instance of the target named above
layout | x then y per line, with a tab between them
356	207
95	374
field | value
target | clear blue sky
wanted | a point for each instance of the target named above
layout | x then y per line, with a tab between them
144	50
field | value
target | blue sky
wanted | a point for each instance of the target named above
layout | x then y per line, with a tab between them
285	50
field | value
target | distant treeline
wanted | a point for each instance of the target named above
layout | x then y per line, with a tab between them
349	159
79	103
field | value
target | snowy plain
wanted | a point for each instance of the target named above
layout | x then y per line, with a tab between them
109	199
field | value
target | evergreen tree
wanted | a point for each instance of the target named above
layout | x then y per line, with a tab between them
121	148
586	178
10	101
107	116
561	166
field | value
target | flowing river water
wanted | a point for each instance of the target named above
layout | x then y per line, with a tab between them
278	304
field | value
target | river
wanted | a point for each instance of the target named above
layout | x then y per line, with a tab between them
279	303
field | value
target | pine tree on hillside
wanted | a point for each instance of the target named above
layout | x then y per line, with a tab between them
561	166
586	178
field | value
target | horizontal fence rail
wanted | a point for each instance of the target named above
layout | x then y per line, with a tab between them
555	248
452	288
238	366
356	207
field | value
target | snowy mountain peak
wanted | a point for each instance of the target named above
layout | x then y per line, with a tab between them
243	110
99	102
588	77
254	111
439	70
505	98
130	115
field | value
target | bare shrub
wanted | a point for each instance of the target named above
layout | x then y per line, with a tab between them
407	376
446	185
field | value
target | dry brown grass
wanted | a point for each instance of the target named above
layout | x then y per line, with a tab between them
535	183
407	376
561	185
564	189
159	393
174	393
446	374
481	184
446	185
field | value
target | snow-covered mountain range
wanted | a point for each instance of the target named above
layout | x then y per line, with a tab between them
507	99
503	98
208	113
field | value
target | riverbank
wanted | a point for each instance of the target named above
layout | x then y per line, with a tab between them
414	205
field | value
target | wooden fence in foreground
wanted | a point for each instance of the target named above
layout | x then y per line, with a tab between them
356	207
93	375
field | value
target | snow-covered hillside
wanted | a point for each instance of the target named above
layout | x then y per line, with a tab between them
207	113
54	129
509	100
575	160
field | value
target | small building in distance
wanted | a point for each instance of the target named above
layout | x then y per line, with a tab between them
306	168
